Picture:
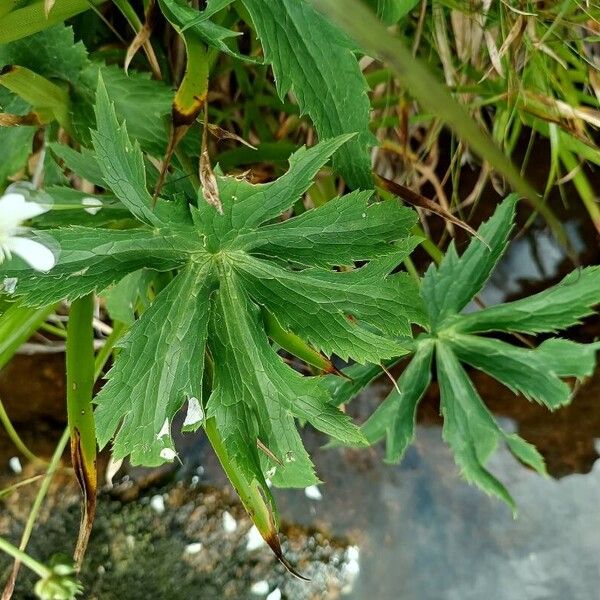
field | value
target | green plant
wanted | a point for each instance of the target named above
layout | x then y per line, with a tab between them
210	275
455	338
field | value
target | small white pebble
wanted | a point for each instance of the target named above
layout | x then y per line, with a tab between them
274	595
353	552
229	523
92	205
313	492
260	588
15	465
168	453
253	539
352	568
193	548
158	504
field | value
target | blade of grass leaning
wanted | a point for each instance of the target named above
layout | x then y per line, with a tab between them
361	24
33	513
100	361
48	99
80	388
17	325
29	19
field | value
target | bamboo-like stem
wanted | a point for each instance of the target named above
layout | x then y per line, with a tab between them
80	388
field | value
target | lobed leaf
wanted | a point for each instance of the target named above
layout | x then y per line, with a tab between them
92	259
313	59
121	162
249	372
556	308
341	232
160	365
523	371
395	417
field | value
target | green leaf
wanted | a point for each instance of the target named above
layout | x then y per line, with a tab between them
556	308
314	60
122	299
92	259
450	286
527	453
150	381
82	163
120	161
16	142
395	417
188	18
30	17
249	372
252	205
52	53
469	428
391	11
329	309
342	231
526	372
144	104
255	396
567	358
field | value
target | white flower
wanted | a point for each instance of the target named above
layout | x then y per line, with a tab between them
14	210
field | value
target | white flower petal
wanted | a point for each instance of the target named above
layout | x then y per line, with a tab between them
35	254
14	209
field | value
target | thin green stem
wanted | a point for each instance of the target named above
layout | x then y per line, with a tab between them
33	514
22	557
15	438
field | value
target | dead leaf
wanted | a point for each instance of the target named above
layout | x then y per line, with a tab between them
142	38
416	199
208	180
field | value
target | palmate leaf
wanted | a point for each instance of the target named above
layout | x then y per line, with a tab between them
314	59
211	311
536	373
